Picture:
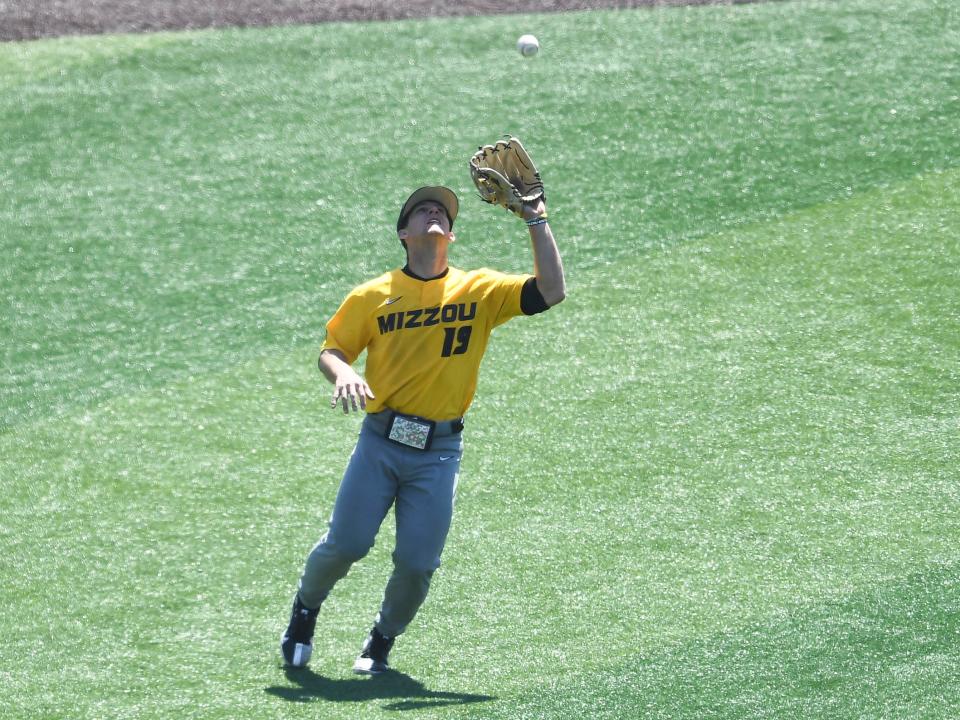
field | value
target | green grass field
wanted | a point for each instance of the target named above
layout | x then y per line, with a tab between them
719	481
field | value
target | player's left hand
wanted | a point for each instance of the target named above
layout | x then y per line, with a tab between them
505	175
534	210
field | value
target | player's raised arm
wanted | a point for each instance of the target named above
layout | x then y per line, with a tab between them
505	175
547	265
349	389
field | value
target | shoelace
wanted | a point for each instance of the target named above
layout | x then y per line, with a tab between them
379	647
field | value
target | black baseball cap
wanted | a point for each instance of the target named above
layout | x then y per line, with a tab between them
439	194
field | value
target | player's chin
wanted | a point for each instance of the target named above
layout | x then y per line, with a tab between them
429	236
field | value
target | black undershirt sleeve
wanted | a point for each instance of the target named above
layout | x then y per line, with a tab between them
531	301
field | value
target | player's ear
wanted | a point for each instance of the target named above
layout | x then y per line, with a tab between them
451	237
402	233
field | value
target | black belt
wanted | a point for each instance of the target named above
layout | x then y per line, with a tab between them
411	430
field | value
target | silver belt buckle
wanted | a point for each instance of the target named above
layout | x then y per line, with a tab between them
411	431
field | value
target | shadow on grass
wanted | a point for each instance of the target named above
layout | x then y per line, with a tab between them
409	694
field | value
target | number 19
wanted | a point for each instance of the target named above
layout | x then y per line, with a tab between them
462	337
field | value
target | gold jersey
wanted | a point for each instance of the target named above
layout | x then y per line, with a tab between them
424	338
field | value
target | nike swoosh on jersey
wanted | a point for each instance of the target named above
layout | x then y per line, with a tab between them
391	301
444	458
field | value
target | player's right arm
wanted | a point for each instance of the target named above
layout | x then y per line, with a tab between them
349	389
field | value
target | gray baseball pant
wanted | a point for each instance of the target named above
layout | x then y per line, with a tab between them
421	485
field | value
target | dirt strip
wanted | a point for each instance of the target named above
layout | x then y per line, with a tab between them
32	19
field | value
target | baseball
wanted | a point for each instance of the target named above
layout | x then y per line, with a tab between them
528	45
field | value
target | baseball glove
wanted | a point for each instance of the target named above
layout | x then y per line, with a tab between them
505	175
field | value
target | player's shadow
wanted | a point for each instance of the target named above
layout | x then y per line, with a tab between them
408	694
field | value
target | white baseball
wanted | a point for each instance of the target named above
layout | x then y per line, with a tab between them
528	45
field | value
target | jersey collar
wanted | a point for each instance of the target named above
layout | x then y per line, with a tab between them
407	271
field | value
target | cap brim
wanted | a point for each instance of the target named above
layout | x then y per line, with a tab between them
439	194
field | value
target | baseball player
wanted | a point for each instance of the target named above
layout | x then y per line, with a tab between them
425	327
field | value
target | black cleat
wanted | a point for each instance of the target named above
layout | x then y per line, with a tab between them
296	644
373	655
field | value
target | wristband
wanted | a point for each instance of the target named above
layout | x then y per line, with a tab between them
542	220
